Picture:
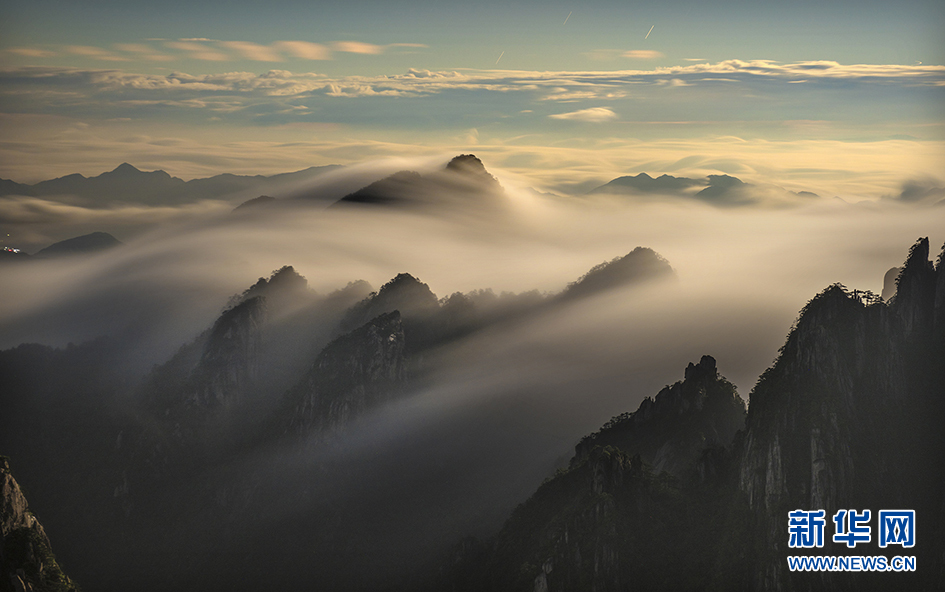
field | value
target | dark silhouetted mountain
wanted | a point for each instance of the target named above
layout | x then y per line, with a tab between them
8	187
27	562
464	183
81	245
11	255
261	201
726	190
610	521
643	183
354	373
848	417
671	431
397	189
639	265
129	185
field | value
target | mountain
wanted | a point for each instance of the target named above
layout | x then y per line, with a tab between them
127	184
671	431
639	265
718	190
631	509
463	182
26	558
643	183
672	497
81	245
356	372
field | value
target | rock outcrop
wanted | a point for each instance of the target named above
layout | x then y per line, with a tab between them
27	563
354	373
671	431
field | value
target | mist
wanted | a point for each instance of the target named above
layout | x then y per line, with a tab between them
494	412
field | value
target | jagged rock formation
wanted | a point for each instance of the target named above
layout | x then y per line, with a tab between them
671	431
849	416
228	365
27	563
355	372
614	521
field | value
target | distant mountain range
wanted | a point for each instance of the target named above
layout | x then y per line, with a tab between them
719	190
127	184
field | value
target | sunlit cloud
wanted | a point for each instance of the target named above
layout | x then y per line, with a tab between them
32	52
643	54
253	51
198	51
304	50
143	51
358	47
95	52
593	115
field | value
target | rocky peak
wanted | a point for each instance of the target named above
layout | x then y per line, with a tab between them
638	265
404	293
26	558
704	370
672	430
471	167
125	169
915	290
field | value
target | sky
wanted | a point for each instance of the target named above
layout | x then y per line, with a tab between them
837	98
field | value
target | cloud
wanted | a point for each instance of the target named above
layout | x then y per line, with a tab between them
358	47
253	51
32	52
198	51
144	51
593	115
95	52
304	50
643	54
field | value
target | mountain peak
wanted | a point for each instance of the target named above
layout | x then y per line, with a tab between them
125	169
471	167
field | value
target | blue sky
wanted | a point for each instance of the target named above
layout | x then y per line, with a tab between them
763	89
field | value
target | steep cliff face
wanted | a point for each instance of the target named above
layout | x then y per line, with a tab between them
671	431
636	506
359	370
228	366
27	562
848	417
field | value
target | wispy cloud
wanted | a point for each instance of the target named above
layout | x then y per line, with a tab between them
592	115
143	51
253	51
358	47
32	52
304	50
198	50
643	54
95	52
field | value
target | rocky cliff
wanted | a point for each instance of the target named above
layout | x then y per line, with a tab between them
849	416
671	431
634	508
27	563
355	372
